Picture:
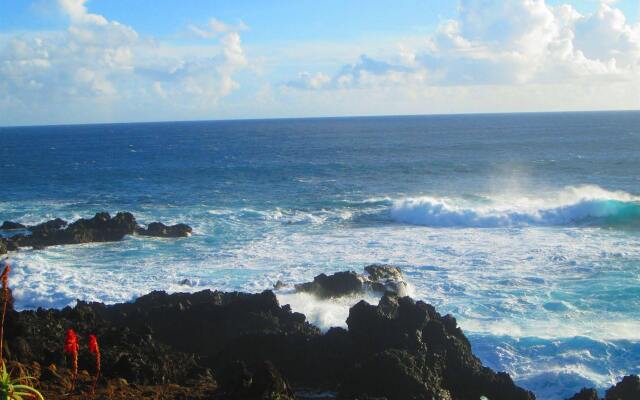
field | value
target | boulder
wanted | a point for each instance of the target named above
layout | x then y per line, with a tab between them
8	225
339	284
158	229
379	278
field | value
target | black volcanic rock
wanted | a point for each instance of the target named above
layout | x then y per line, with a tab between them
585	394
393	375
47	227
336	285
158	229
437	346
263	381
398	349
627	389
101	228
379	278
8	225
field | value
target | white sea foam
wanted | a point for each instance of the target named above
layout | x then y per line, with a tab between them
573	205
563	284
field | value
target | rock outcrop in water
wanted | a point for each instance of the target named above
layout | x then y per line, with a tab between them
101	228
379	278
159	229
9	225
256	349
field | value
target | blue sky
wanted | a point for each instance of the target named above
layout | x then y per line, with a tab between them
78	61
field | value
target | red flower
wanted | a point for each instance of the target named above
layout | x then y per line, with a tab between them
5	301
93	344
71	345
95	349
5	282
5	277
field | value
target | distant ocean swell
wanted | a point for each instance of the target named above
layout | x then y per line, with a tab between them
582	206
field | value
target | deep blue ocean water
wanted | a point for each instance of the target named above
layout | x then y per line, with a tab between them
525	226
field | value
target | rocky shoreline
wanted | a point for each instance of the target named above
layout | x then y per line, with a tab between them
101	228
220	345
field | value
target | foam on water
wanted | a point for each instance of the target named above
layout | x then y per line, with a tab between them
486	215
515	286
585	205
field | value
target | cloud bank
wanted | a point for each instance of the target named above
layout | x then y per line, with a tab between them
513	42
106	69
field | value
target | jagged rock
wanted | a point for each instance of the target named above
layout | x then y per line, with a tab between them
161	338
9	225
586	394
336	285
279	285
393	375
627	389
46	227
262	382
416	327
101	228
378	278
159	229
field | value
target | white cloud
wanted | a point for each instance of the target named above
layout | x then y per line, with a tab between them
215	28
101	66
511	42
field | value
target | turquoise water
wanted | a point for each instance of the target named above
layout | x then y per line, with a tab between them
525	226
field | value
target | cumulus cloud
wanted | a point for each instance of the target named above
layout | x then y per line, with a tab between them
98	64
511	42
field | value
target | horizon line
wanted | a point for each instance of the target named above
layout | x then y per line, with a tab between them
316	118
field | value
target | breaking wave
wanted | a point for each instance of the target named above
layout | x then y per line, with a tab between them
572	206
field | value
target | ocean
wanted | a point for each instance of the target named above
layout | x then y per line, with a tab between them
526	227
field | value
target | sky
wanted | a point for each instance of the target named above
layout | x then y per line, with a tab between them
94	61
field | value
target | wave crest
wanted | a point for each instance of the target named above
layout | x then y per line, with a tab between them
572	206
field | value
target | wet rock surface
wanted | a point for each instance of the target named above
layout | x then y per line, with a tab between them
159	229
101	228
379	278
256	349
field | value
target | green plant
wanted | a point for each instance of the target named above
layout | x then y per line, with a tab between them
16	389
